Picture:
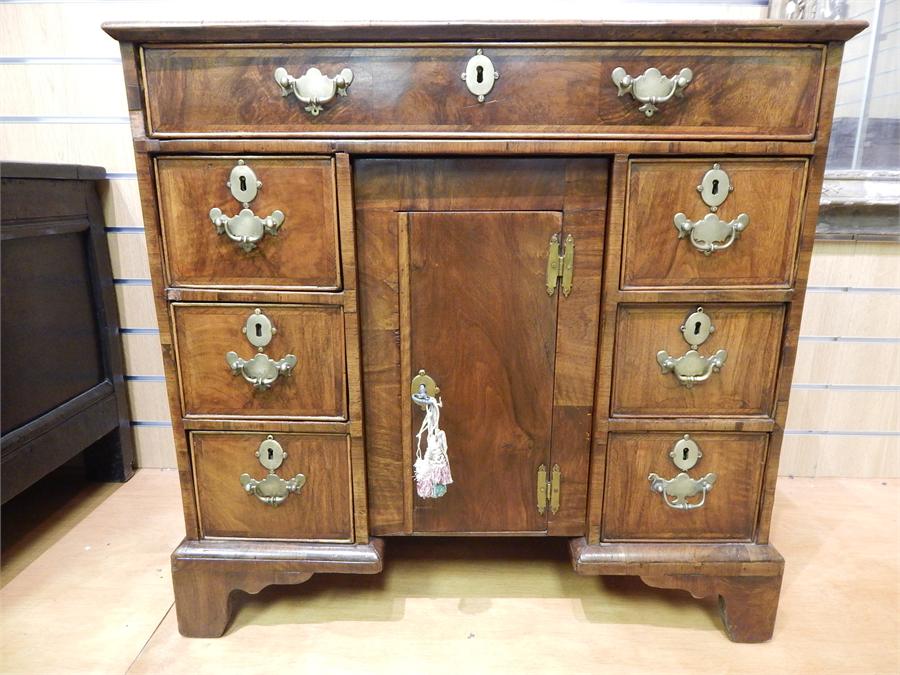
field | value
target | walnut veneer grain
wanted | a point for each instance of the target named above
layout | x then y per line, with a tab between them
738	91
320	510
317	387
303	254
632	511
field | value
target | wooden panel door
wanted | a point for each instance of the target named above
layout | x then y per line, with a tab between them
482	324
452	264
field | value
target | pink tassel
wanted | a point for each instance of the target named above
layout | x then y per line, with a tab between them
425	488
442	475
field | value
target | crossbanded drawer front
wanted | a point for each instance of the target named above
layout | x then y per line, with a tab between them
680	360
246	221
261	361
761	91
690	486
713	223
273	486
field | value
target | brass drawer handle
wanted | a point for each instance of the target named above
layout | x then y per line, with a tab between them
711	233
246	229
652	88
685	454
272	489
676	491
692	368
313	88
261	371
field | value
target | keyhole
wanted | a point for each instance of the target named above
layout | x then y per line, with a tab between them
272	454
479	74
684	454
715	189
259	333
697	327
243	180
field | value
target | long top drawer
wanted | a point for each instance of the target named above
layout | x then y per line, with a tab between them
734	91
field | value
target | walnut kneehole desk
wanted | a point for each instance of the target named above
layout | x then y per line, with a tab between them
592	239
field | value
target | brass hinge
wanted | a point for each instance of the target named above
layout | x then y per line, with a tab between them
560	261
548	490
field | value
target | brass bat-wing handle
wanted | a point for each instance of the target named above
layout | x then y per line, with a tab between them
261	371
652	88
313	88
676	491
711	233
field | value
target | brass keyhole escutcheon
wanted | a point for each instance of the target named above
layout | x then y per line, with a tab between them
270	453
715	186
480	75
685	453
697	328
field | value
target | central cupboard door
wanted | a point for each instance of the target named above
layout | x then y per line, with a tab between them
483	325
452	263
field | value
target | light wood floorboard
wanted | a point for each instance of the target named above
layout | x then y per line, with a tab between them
99	601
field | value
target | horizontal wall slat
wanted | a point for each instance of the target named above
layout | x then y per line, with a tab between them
106	145
837	410
848	456
148	401
847	363
856	314
136	307
855	264
143	355
128	255
154	447
121	203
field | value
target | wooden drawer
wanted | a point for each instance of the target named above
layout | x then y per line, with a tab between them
750	334
770	192
761	91
632	510
316	388
304	252
321	509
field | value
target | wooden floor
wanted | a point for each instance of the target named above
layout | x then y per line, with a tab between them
88	591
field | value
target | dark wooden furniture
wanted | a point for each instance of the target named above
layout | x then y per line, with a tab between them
613	344
63	388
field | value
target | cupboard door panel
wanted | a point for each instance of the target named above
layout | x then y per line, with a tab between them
481	323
